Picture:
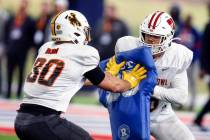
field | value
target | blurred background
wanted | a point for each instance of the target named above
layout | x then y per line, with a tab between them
24	27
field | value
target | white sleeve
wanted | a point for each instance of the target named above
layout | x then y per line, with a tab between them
90	60
177	93
185	58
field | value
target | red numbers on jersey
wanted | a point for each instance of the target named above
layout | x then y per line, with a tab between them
41	71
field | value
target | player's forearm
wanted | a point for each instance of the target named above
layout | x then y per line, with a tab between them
114	84
120	85
172	95
177	93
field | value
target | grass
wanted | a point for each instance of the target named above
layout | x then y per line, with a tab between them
85	100
7	137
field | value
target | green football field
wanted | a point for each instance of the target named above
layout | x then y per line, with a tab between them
6	137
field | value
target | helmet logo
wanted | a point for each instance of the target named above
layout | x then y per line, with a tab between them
58	27
171	23
73	20
154	19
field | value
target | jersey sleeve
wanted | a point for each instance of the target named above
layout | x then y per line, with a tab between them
177	93
186	57
90	59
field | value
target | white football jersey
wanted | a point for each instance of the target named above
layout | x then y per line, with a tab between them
57	74
172	84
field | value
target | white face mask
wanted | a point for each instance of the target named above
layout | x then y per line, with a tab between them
156	49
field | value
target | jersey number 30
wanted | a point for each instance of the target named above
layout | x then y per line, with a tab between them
45	72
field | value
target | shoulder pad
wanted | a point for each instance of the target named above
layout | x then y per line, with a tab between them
177	56
126	43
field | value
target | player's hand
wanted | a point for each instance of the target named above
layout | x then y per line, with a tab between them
135	76
112	67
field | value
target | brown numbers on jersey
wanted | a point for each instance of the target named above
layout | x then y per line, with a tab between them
36	68
46	72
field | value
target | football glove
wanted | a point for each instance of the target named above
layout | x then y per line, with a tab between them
135	76
112	67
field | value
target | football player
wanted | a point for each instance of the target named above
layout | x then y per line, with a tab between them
59	71
171	60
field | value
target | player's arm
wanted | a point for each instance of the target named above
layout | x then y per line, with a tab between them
106	81
177	93
114	84
111	67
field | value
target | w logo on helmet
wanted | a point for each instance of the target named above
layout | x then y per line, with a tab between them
73	19
171	23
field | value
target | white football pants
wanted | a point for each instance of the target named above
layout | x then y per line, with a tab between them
171	129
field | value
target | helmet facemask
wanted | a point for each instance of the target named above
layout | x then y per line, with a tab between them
156	47
87	34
